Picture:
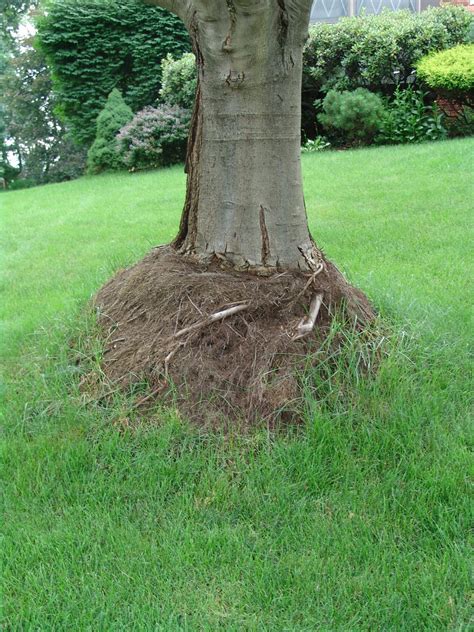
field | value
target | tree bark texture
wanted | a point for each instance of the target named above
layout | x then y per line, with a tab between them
244	200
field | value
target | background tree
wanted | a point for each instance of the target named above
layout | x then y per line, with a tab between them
40	140
95	46
11	13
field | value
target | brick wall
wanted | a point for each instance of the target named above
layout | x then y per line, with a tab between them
462	3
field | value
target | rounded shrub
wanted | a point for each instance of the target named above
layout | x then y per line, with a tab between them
449	70
155	137
356	114
178	80
103	153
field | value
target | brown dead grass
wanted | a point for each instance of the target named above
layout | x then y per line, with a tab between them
240	368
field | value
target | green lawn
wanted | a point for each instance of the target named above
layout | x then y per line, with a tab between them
358	520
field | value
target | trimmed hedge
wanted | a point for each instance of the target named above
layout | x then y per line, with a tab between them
364	52
449	70
94	46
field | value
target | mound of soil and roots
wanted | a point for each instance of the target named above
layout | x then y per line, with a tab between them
222	344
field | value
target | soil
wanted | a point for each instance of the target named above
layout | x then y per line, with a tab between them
239	368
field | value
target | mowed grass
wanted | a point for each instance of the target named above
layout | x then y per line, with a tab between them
357	520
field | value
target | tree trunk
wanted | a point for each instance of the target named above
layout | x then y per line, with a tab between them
209	330
244	200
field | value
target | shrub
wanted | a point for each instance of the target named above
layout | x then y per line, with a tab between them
103	154
179	78
357	114
409	120
365	51
21	183
318	144
94	46
155	137
449	70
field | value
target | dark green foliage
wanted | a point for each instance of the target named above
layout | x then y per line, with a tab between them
357	115
364	52
155	137
409	120
21	183
103	154
95	46
179	78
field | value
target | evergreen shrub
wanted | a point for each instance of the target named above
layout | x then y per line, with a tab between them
103	154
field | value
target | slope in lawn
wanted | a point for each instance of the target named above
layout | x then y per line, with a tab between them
356	521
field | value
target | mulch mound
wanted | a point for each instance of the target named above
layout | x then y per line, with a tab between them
155	319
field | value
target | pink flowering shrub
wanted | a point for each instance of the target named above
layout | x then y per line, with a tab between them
155	137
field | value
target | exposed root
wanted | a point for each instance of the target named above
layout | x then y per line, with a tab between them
212	319
228	342
306	324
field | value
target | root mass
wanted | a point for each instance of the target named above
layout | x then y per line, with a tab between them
225	345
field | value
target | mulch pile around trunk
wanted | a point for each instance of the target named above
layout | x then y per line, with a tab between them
241	367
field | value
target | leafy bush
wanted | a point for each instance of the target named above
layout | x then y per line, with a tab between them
21	183
179	78
94	46
409	120
155	137
357	114
318	144
449	70
103	154
364	52
71	162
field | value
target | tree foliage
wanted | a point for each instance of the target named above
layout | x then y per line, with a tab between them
33	132
103	154
11	12
96	45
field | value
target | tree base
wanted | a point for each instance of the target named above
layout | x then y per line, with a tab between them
224	345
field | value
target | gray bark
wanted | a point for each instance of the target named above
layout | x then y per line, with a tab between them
244	198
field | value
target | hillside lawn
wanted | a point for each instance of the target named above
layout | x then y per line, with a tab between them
356	520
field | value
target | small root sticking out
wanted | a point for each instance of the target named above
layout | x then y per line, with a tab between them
224	313
224	345
306	324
